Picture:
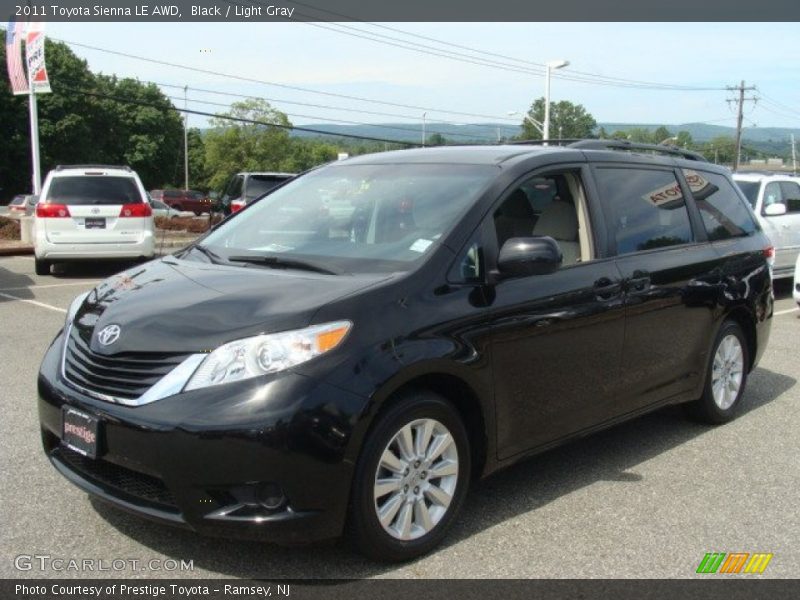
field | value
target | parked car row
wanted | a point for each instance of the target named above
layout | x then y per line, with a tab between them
295	375
775	199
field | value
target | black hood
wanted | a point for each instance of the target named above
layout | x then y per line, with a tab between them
181	306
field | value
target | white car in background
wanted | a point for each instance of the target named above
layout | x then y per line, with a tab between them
775	200
89	212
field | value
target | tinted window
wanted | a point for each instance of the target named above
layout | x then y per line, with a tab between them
259	184
93	190
750	190
647	206
17	201
791	195
724	213
234	189
158	205
172	194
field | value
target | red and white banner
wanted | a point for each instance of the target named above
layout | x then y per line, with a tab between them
16	73
34	51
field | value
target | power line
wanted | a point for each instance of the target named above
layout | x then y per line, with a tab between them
381	126
323	106
273	83
572	75
228	117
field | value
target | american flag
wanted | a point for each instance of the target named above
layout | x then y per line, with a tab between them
16	74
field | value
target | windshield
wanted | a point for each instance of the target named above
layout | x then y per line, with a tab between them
750	189
92	189
356	218
259	184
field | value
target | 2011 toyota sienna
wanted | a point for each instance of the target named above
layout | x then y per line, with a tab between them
294	374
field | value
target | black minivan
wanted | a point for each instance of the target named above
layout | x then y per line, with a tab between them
347	353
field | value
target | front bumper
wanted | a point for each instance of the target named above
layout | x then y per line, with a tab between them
188	459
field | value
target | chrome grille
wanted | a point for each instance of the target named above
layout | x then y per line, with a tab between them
126	375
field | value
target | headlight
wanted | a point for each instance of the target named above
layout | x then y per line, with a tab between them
264	354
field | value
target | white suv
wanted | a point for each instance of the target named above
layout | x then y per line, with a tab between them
88	212
776	202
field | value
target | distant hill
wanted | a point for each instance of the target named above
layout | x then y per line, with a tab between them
771	140
767	139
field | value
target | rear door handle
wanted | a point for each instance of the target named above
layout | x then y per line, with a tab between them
606	289
639	281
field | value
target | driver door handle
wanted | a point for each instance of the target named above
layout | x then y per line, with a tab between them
606	289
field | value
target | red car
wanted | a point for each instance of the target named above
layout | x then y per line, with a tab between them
191	200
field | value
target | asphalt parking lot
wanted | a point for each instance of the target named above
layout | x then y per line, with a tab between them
646	499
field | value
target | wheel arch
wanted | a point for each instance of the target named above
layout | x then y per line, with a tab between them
747	321
464	397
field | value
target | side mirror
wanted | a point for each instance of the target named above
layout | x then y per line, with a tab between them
529	256
775	210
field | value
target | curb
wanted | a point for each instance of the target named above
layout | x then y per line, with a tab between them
16	251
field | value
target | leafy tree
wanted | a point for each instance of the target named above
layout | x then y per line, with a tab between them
305	154
436	139
661	134
145	133
572	120
253	143
76	127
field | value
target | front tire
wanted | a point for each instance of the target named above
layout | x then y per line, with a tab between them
411	478
726	377
42	267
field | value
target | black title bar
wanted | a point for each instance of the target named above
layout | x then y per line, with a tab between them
400	10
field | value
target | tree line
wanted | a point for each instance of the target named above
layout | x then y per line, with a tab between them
93	118
103	119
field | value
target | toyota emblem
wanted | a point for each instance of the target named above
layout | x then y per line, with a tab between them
109	334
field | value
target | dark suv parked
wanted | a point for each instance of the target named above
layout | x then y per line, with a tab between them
300	371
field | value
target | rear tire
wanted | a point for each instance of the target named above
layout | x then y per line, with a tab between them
403	510
726	377
42	267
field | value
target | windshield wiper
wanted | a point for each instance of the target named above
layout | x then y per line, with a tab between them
277	262
212	256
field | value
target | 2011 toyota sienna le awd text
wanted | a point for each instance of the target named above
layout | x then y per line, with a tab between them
295	375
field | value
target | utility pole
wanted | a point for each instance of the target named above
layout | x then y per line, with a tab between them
741	89
185	138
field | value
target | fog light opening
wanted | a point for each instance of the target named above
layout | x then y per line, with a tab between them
251	502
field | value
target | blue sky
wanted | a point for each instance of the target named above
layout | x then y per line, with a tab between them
306	55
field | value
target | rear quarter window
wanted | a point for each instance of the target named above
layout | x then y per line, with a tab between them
725	215
93	189
647	208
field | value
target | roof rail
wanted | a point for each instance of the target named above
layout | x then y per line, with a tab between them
628	146
556	142
62	167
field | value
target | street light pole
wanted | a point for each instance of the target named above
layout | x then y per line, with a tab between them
423	128
185	139
526	117
550	67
